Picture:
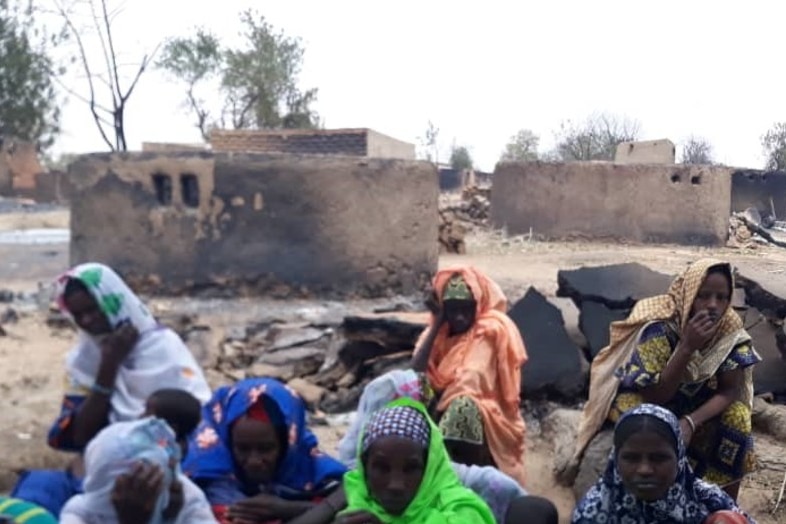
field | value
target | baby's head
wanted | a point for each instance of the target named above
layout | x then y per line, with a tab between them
180	409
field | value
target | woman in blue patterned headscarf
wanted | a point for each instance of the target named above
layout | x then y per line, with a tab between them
648	478
255	458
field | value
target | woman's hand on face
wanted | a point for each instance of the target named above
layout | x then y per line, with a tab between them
259	508
698	331
357	517
135	494
118	344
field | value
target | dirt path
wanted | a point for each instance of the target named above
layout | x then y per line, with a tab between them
31	356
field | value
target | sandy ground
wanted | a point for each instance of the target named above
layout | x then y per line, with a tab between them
31	356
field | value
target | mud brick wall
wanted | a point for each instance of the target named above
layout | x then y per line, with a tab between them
760	189
643	203
254	224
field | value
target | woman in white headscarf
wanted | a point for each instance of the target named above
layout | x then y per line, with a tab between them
123	356
132	469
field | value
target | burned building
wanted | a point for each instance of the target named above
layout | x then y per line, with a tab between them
640	202
257	223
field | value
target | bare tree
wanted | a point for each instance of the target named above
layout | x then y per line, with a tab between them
428	143
596	139
697	150
109	118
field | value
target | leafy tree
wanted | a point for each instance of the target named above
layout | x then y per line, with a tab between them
697	151
258	82
460	158
194	61
596	139
774	144
523	147
28	106
109	89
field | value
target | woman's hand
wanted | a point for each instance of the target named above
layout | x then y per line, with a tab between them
687	431
176	501
119	343
135	494
260	508
698	331
357	517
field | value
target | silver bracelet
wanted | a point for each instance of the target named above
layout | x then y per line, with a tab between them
690	423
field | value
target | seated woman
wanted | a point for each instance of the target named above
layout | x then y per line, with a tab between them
472	354
687	351
15	511
404	474
648	479
122	356
254	457
133	477
509	502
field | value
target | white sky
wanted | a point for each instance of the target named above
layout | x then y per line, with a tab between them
482	70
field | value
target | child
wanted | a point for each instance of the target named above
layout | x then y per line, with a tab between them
130	469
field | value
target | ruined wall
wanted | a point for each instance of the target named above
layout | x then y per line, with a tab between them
257	224
52	187
646	152
383	146
646	203
168	147
760	189
352	142
19	165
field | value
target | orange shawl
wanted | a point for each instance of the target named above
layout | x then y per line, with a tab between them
485	365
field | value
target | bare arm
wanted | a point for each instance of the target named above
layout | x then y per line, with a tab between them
421	356
325	511
729	384
695	336
670	377
93	415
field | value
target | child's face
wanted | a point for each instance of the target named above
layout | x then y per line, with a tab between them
394	468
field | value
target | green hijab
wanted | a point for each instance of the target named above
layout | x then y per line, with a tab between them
441	499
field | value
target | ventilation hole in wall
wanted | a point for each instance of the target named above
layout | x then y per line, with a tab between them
163	186
189	188
695	180
676	178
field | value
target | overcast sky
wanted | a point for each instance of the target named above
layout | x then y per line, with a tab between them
483	70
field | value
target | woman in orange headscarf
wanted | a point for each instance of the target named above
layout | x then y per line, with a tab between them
472	354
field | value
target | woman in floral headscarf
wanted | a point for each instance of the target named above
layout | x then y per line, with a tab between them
648	479
687	351
255	458
123	356
472	354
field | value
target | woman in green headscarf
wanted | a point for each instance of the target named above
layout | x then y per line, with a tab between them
404	474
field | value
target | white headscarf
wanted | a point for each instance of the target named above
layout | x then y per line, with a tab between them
114	452
159	359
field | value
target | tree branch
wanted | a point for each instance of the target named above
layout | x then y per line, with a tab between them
83	55
112	54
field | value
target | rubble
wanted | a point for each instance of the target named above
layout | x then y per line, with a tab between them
617	286
457	218
556	367
594	321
